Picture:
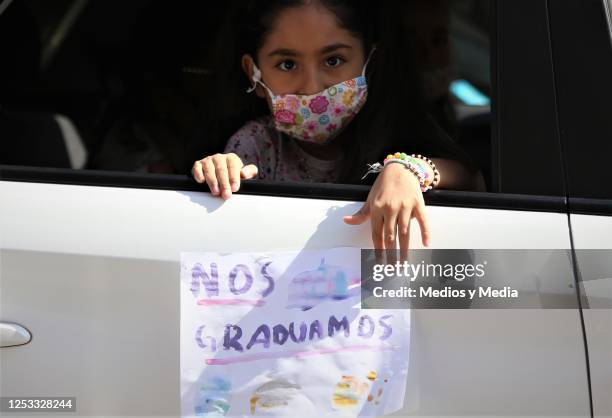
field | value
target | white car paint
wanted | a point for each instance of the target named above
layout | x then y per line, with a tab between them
93	273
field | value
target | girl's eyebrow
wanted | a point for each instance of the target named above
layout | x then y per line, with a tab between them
284	52
334	47
292	53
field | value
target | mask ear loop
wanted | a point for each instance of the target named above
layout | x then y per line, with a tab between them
257	79
365	66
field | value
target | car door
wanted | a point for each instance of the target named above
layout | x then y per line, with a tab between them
89	264
584	87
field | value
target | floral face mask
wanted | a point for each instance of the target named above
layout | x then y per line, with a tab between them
319	117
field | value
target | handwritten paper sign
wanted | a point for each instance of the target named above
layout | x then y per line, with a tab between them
283	335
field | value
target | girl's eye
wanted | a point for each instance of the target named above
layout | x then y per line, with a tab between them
287	65
333	61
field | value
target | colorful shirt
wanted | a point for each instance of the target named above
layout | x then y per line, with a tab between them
278	157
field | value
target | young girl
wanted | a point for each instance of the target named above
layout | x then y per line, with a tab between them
331	91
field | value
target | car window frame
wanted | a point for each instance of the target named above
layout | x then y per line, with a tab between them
584	122
505	193
321	191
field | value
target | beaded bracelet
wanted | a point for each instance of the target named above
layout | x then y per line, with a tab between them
415	163
436	177
414	169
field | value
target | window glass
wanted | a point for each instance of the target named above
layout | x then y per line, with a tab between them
139	86
470	88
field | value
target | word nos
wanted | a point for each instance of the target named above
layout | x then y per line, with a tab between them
266	335
210	281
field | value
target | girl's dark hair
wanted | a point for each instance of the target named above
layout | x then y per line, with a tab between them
394	116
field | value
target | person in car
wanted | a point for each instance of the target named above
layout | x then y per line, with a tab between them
329	92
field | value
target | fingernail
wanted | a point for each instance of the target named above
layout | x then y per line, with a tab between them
234	187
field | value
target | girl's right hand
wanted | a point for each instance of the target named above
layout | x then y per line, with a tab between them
222	173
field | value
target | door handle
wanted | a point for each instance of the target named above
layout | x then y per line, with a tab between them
13	334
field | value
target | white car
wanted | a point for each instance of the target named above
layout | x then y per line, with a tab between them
89	259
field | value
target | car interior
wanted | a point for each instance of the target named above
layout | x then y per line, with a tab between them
122	86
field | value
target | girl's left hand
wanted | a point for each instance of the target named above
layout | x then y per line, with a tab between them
395	198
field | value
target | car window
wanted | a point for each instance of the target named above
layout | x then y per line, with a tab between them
128	97
470	88
584	87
